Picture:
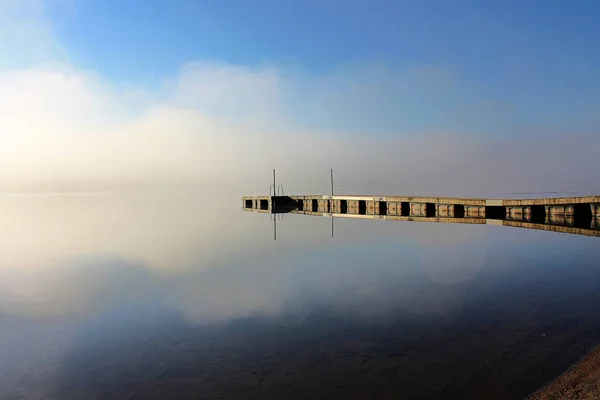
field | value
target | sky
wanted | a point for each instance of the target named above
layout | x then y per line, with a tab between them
399	97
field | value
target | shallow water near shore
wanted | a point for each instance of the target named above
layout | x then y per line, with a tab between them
151	296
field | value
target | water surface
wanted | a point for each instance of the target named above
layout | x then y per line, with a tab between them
181	296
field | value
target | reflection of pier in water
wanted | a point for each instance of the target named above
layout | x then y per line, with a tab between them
575	215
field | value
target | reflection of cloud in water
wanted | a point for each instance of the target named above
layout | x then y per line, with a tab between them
168	233
94	252
64	255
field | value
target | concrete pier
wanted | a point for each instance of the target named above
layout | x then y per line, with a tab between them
578	215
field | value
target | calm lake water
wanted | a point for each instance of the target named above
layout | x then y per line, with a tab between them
181	296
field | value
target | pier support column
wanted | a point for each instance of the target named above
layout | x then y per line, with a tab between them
595	209
475	211
417	209
324	205
352	206
335	206
392	208
444	210
518	213
373	207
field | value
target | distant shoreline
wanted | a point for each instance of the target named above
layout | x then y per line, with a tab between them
580	381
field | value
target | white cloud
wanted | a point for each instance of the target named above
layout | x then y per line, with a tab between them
219	127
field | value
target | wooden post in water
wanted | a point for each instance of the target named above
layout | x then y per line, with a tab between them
273	208
331	170
331	225
331	201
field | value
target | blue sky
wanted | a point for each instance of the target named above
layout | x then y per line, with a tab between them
540	58
125	40
478	74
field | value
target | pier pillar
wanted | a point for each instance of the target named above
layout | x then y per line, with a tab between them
560	215
395	208
323	206
392	208
518	213
444	210
373	207
560	209
560	219
335	206
376	207
475	211
417	209
595	210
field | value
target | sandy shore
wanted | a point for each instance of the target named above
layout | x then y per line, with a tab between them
581	381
